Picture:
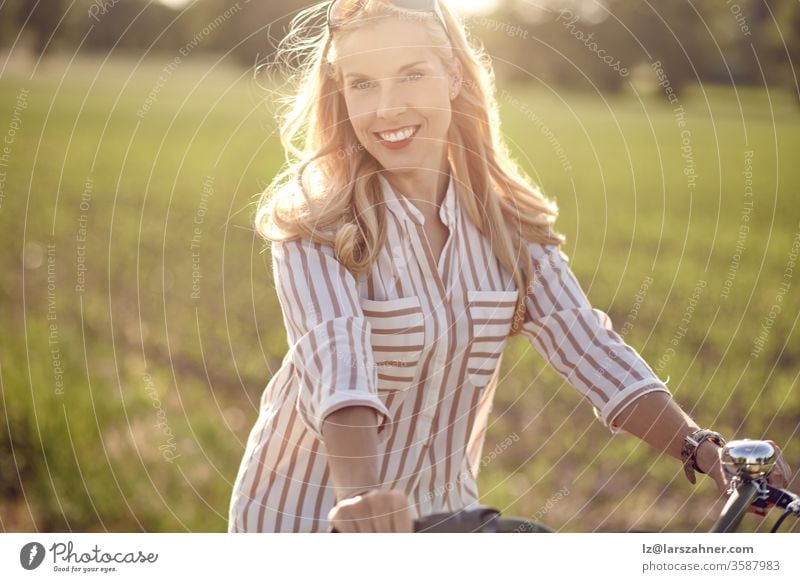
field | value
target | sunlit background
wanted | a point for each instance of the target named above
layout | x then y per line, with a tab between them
465	6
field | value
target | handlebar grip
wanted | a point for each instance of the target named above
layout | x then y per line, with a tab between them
781	497
482	519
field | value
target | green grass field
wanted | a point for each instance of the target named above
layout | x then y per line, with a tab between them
140	323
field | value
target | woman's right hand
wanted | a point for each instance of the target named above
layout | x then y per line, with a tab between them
374	511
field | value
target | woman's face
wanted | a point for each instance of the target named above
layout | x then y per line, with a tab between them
397	93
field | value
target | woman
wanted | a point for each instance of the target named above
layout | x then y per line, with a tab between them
407	247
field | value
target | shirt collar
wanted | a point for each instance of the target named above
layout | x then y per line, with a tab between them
401	207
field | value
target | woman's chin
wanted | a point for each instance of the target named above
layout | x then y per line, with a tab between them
401	159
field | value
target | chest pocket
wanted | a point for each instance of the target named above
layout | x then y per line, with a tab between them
491	314
398	338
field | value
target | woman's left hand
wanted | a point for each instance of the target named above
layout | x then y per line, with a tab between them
709	460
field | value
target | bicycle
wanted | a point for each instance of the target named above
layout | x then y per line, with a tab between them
746	462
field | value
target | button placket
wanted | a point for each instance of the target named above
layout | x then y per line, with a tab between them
435	379
429	267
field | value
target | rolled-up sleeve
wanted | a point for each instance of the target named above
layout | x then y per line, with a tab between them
328	335
579	341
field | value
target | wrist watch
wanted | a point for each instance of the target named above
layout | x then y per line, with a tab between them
690	445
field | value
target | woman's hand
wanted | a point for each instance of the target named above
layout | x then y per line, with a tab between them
374	511
709	459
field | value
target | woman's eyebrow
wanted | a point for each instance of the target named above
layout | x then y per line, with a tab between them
400	70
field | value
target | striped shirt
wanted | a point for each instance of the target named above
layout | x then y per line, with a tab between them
420	342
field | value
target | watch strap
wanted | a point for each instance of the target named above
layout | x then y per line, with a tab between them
691	443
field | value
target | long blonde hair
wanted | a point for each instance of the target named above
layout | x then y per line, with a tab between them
329	190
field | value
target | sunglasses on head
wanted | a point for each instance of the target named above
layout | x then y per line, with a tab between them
335	20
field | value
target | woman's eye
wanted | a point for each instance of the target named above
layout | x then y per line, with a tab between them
415	76
360	85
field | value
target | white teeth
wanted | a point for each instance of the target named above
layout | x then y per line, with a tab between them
396	136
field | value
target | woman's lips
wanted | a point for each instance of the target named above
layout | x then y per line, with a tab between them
398	144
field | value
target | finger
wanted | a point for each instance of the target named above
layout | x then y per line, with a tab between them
387	520
759	511
399	520
395	523
779	476
351	520
390	515
333	520
778	455
382	517
338	523
787	471
777	480
362	517
343	514
405	515
359	517
400	517
782	471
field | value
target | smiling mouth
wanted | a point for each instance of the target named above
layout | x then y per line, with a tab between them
399	135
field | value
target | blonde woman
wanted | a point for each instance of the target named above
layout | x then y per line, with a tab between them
407	247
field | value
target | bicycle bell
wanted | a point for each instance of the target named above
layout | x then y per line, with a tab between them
748	458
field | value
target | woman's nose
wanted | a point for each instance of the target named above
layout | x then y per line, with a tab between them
391	101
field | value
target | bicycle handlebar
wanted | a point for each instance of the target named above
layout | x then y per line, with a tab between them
482	519
748	462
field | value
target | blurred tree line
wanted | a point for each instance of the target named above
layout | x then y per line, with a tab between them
244	29
563	42
722	41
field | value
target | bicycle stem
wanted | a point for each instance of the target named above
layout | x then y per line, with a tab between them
740	499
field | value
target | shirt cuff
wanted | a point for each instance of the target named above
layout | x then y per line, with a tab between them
341	400
623	399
